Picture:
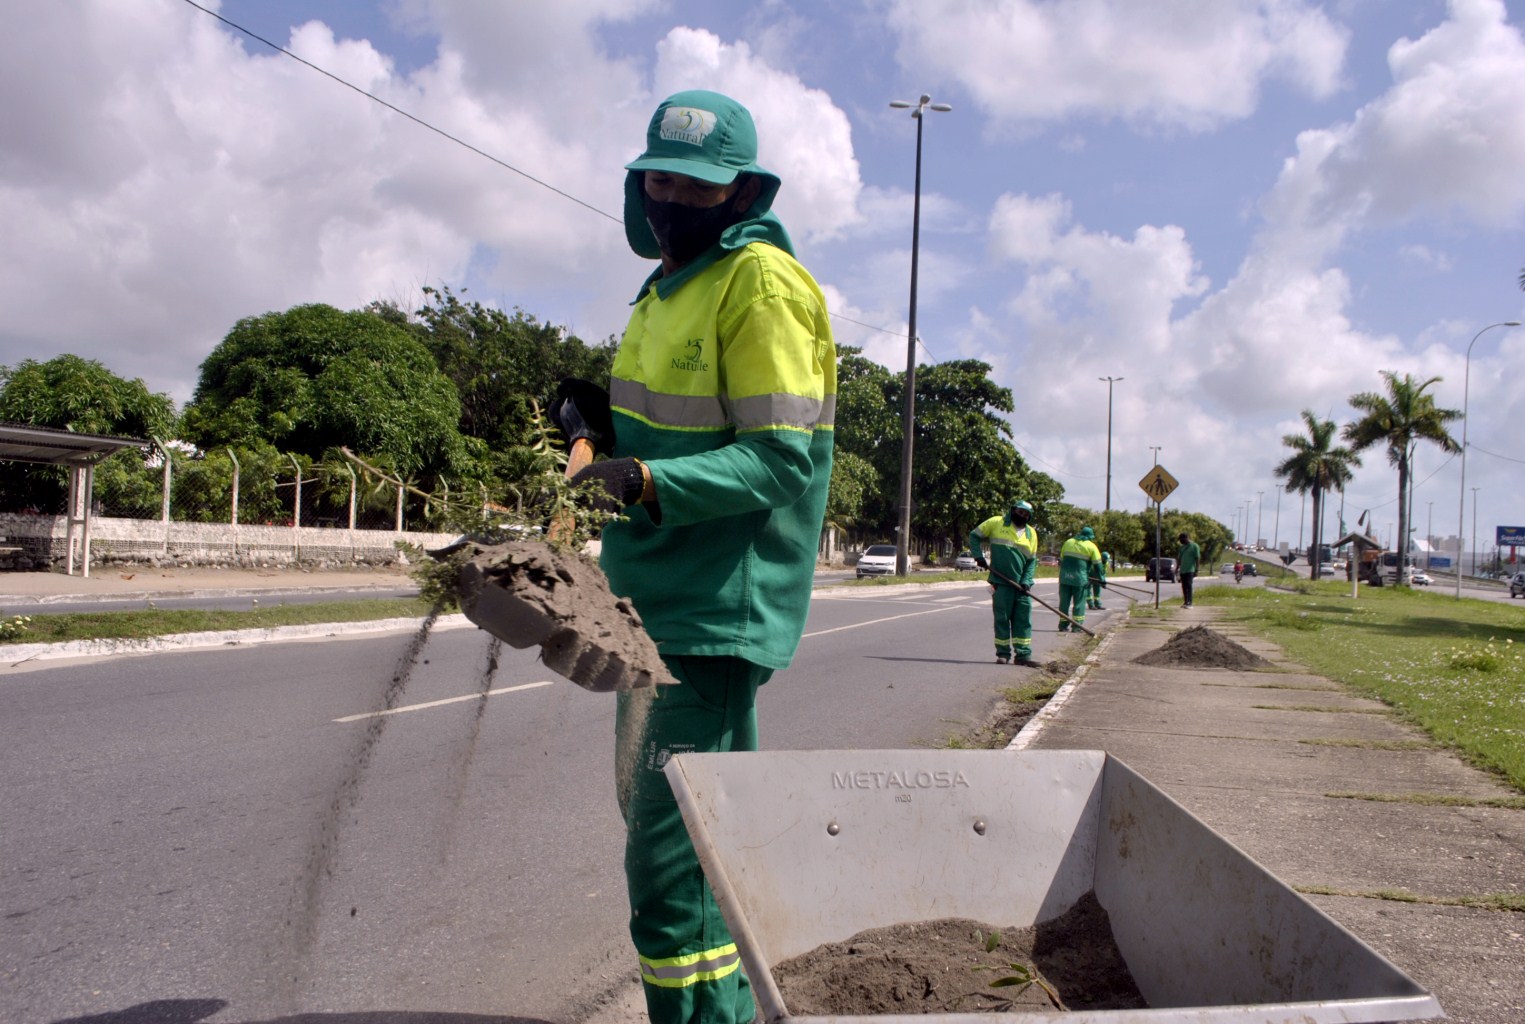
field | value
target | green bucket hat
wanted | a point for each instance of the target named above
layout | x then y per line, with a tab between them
1086	533
704	135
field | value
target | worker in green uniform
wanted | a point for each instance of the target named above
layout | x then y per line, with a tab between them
1079	561
1187	559
1013	564
1099	580
720	408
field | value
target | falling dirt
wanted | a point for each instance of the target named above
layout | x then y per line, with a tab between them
460	768
1200	647
303	917
527	593
944	966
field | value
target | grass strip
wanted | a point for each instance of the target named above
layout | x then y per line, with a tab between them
1507	901
1455	669
1508	803
150	622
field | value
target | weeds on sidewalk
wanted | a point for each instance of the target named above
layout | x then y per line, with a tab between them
1455	669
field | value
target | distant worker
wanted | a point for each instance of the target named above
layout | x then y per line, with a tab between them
1079	563
1186	564
1014	554
1099	581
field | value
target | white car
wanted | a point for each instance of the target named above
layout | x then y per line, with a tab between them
965	562
1420	579
877	560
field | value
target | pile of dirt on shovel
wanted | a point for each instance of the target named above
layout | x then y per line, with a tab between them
1200	647
948	966
528	593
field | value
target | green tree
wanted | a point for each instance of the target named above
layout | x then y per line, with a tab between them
1315	467
316	378
82	395
1398	421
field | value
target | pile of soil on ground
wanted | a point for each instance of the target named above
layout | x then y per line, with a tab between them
944	967
528	593
1200	647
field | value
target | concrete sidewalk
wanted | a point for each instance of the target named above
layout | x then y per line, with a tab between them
107	583
1249	753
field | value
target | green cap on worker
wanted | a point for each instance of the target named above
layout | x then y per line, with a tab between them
1086	533
701	134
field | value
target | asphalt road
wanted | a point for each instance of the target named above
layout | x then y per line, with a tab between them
217	836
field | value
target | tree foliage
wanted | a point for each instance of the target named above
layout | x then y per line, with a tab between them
1316	466
1398	421
316	378
82	395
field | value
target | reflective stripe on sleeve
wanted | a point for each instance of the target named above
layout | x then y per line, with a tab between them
708	412
682	971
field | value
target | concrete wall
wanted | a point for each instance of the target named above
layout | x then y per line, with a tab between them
43	540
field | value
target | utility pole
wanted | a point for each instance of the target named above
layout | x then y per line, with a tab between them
1474	532
1276	530
1110	381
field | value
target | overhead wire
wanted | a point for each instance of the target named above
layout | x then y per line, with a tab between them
463	143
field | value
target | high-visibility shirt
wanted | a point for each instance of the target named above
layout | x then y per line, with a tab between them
1079	560
726	388
1013	550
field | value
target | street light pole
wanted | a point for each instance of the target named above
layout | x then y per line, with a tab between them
1429	534
1109	381
1260	508
903	538
1474	532
1276	530
1461	498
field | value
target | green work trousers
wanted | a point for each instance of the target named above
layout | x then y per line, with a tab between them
1013	622
689	963
1095	593
1072	602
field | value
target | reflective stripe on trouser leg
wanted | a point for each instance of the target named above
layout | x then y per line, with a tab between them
1013	623
689	963
1072	602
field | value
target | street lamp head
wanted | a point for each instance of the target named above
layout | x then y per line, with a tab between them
899	104
1511	323
942	107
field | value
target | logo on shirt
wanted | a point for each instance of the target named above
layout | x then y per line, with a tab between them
693	362
686	124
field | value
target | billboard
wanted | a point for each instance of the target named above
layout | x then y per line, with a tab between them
1440	562
1511	537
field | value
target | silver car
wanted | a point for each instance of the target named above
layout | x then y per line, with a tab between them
965	562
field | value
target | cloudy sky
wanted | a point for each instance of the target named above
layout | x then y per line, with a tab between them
1242	208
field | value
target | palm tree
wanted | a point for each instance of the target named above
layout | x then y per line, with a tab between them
1315	466
1399	420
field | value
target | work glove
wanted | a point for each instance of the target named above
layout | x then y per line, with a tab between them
622	481
581	409
1023	589
980	561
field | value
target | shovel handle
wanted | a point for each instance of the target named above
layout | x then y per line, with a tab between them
578	459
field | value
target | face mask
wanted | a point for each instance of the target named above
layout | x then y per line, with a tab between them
684	232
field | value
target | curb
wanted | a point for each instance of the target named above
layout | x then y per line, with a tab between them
1052	706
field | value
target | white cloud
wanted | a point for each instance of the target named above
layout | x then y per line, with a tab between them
803	137
1166	62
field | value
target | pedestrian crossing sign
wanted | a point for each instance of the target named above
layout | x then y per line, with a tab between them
1158	484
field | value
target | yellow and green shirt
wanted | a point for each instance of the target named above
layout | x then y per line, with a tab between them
1013	550
1079	561
725	386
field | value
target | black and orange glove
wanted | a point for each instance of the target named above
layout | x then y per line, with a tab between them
581	409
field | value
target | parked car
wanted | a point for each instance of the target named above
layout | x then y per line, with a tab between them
1165	568
1517	584
1421	579
877	560
965	562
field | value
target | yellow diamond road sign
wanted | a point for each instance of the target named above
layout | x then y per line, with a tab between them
1158	484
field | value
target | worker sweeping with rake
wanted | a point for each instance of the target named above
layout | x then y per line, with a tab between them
1013	565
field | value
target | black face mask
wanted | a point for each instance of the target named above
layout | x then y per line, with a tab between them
683	232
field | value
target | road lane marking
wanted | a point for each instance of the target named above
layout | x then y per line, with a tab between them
447	700
887	618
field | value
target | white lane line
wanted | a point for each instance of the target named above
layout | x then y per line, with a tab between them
887	618
447	700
